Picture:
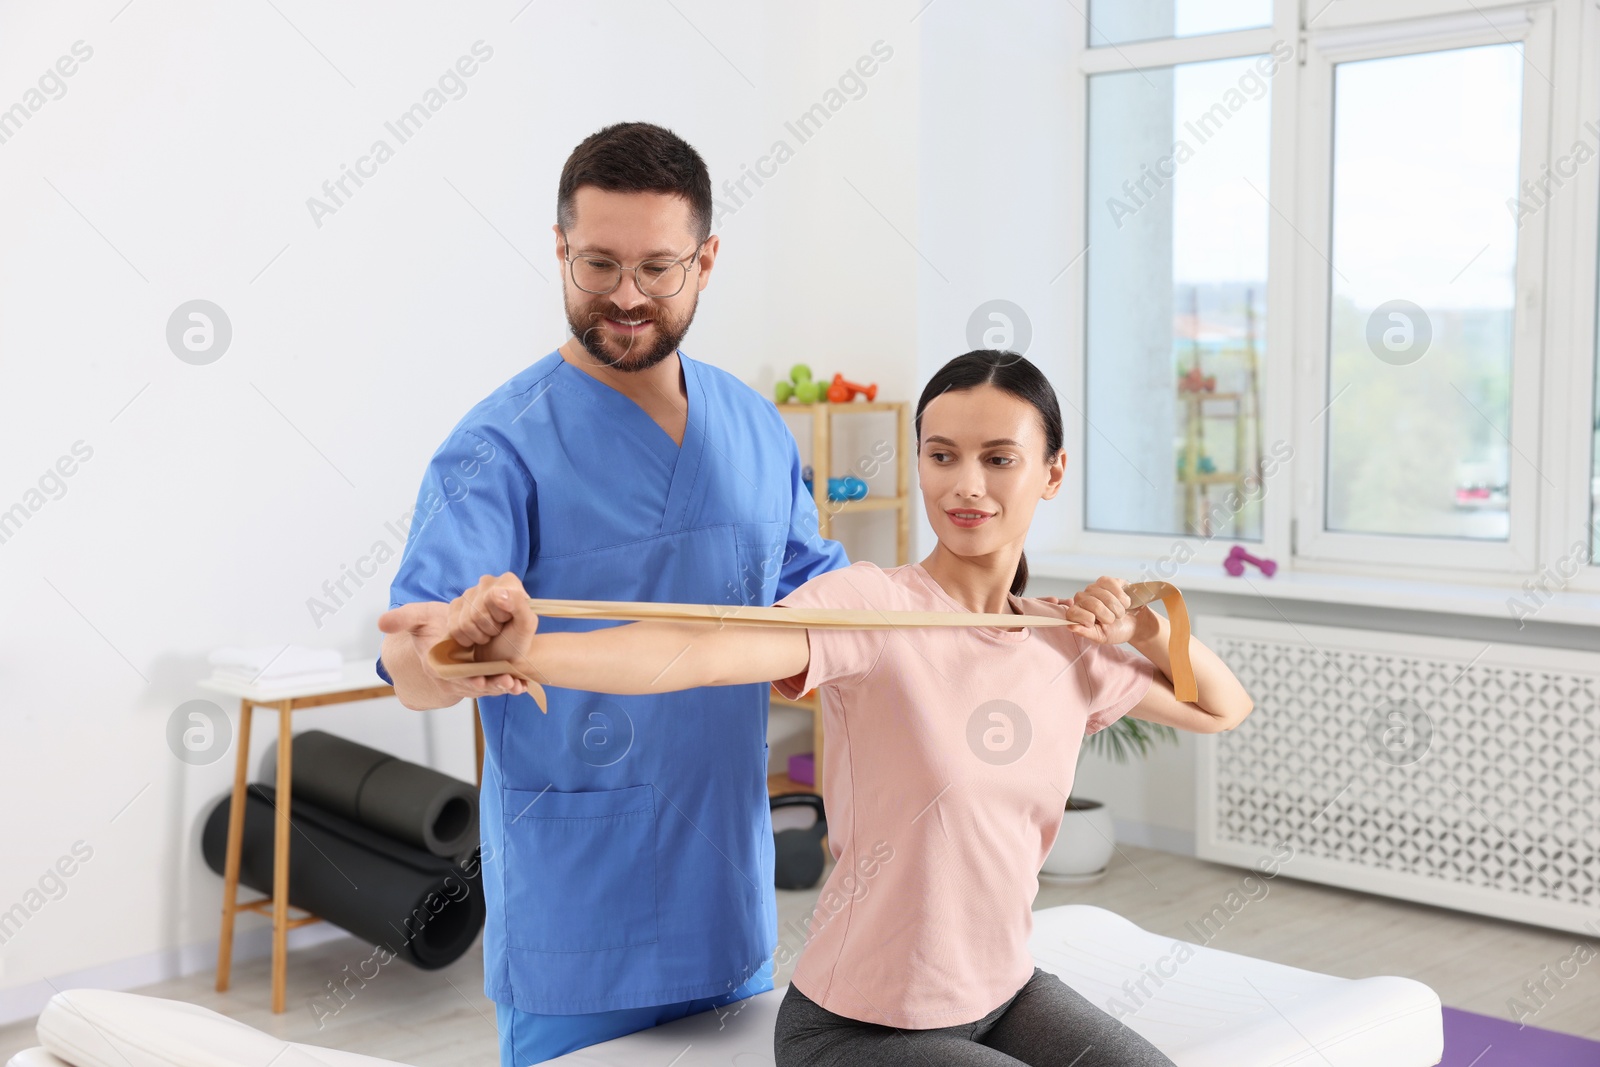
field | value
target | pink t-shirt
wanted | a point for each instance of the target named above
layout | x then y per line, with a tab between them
950	754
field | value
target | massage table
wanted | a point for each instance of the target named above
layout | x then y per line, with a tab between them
1210	1009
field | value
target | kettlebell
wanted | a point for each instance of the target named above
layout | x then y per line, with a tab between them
797	856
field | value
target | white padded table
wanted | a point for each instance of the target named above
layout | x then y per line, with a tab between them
102	1028
36	1057
1213	1009
1217	1009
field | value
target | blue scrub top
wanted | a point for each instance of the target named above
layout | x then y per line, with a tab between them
627	840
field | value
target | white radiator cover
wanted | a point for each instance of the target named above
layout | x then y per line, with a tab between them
1450	772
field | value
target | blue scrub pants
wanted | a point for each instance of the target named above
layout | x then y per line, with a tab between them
527	1038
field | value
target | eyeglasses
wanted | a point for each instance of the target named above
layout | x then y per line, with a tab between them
656	278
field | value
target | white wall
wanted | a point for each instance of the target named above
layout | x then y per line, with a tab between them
993	212
219	498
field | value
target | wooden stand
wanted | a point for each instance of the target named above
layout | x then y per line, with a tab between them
1245	407
357	684
822	416
1196	485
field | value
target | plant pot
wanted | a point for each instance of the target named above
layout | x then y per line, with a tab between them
1084	845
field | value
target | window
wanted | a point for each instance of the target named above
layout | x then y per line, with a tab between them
1176	273
1422	427
1121	21
1423	264
1345	229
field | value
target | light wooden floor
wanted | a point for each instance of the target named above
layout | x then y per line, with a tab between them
432	1019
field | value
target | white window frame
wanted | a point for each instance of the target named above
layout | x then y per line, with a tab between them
1238	44
1557	285
1574	292
1325	49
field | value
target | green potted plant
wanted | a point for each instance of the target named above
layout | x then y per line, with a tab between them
1087	839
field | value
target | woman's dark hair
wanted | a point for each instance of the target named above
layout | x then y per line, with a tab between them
1015	375
637	157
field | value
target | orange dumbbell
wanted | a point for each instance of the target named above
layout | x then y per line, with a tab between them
841	391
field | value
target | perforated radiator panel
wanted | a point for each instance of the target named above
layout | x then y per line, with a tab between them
1445	771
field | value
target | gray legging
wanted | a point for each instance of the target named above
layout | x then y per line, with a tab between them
1046	1023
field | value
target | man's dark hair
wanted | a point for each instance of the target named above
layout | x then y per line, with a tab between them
637	157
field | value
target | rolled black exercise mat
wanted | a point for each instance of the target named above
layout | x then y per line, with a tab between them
424	909
406	801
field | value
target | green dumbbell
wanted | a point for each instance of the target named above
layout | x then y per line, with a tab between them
800	372
782	392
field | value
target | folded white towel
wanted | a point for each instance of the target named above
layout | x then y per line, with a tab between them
271	662
274	680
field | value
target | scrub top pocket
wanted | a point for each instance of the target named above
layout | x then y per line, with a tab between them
760	548
610	835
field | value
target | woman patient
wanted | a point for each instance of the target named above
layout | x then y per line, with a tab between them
950	751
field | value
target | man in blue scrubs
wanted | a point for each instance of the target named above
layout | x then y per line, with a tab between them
628	868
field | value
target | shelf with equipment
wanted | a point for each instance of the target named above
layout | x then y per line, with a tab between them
821	416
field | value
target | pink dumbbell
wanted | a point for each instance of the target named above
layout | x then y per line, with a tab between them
1238	557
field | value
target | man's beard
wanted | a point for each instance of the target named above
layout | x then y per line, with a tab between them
624	354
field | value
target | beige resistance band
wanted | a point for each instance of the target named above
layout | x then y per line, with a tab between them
450	660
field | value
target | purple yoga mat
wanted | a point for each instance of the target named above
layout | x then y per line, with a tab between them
1472	1040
